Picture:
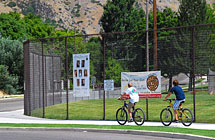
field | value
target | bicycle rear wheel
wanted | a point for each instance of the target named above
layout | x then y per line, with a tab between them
187	117
166	117
139	116
121	116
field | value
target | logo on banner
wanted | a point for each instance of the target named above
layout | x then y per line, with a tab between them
152	83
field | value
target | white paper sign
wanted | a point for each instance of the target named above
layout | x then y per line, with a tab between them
81	75
145	82
108	85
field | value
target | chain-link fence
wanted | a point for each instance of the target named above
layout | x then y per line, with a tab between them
183	53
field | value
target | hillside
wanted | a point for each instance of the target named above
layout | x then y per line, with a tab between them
83	15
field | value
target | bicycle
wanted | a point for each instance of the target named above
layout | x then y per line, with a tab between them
138	114
185	115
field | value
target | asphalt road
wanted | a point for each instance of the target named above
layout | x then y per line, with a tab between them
11	104
71	135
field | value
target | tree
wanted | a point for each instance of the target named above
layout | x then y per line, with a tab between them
167	59
191	12
94	47
8	83
11	56
120	16
114	71
211	49
125	48
12	26
36	28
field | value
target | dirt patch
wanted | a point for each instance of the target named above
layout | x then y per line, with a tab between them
2	93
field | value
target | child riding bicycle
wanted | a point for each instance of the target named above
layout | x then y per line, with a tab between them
180	97
134	98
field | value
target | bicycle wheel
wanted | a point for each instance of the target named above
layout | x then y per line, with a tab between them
166	117
121	116
139	116
187	117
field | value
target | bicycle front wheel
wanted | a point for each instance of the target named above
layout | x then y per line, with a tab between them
139	116
121	116
166	117
187	117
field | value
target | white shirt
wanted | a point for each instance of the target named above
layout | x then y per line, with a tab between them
134	97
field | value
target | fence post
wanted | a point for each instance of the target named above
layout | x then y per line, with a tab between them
53	83
104	79
67	92
43	79
155	35
27	103
193	66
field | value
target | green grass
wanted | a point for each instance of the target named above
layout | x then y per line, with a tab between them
208	133
93	109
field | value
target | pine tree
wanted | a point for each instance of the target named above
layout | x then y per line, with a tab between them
191	12
123	16
120	15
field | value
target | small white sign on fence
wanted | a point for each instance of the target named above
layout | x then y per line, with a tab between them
108	85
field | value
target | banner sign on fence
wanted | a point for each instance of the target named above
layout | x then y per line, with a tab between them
108	85
148	84
81	75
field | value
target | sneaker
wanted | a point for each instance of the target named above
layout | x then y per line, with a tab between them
130	120
176	121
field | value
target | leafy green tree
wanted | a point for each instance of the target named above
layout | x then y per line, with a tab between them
126	49
8	82
211	13
12	26
191	12
94	47
114	70
36	28
166	62
120	15
11	56
211	49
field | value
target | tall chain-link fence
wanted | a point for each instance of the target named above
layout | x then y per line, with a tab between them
183	53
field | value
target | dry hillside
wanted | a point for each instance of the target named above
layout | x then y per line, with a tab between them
83	15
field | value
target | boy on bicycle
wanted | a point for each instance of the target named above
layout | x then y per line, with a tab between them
180	97
134	98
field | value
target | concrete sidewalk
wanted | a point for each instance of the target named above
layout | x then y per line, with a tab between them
18	117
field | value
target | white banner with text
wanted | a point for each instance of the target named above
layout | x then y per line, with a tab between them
148	84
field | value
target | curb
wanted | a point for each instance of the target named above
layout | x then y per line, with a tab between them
133	132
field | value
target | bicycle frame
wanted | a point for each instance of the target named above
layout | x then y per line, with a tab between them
184	114
126	106
138	115
179	111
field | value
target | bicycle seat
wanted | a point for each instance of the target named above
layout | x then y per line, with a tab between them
182	102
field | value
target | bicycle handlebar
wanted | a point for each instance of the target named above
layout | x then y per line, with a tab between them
123	99
170	100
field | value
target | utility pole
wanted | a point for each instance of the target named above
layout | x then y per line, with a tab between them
147	37
155	35
147	50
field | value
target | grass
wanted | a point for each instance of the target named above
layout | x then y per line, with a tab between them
93	109
208	133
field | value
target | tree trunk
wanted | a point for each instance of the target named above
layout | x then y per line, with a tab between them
170	83
190	88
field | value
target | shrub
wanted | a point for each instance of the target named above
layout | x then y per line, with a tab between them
8	83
